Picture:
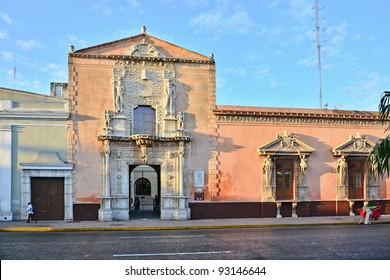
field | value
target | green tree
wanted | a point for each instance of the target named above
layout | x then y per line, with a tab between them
380	154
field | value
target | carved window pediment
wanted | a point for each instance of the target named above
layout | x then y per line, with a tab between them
285	144
356	145
144	49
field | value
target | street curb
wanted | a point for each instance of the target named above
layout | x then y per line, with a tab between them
149	228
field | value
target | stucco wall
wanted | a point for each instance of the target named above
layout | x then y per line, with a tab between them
90	92
240	166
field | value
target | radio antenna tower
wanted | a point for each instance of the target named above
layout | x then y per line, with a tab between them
318	30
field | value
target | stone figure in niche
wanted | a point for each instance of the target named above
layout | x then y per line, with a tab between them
302	169
107	119
303	164
119	97
180	121
267	171
171	95
341	169
144	154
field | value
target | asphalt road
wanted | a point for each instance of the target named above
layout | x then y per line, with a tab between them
342	242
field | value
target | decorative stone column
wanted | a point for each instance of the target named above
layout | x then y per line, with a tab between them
105	211
294	210
183	211
351	204
342	188
268	170
5	173
278	205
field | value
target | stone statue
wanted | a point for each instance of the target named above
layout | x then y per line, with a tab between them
267	171
107	119
171	95
341	169
180	121
302	164
119	97
302	169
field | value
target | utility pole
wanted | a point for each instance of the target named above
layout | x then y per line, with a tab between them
14	74
318	30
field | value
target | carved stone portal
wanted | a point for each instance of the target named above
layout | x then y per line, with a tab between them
119	153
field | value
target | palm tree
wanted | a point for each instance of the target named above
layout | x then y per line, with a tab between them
380	154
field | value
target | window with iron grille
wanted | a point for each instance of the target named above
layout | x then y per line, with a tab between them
145	120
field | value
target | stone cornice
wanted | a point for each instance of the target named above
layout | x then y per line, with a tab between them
231	114
144	137
140	58
34	115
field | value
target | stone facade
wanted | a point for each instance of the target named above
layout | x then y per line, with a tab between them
133	102
140	123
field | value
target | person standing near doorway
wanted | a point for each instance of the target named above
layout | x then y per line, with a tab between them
137	203
31	213
155	202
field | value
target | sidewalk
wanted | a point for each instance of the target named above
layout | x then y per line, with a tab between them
156	224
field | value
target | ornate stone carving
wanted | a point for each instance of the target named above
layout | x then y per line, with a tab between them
299	120
180	121
341	171
267	171
285	144
170	97
145	49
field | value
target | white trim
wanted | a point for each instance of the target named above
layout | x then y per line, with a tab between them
6	173
35	115
28	166
53	171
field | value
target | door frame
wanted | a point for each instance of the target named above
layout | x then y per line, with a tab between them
157	169
52	171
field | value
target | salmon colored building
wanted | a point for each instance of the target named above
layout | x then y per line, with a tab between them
145	134
145	129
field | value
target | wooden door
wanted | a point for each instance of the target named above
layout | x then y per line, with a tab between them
47	195
284	179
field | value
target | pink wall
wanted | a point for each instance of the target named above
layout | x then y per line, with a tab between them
240	166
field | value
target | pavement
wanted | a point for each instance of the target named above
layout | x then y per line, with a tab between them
157	224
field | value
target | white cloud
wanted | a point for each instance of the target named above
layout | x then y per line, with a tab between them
7	56
29	44
274	3
237	71
197	3
103	7
22	81
367	83
337	33
263	73
5	17
80	43
223	19
56	71
308	61
221	82
3	34
301	9
134	3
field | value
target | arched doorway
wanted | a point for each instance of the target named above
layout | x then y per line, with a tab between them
144	192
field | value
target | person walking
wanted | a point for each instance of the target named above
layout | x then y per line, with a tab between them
31	213
367	218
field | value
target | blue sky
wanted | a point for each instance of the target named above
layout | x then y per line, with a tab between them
265	50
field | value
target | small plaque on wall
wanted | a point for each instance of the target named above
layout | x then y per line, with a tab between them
199	196
199	179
